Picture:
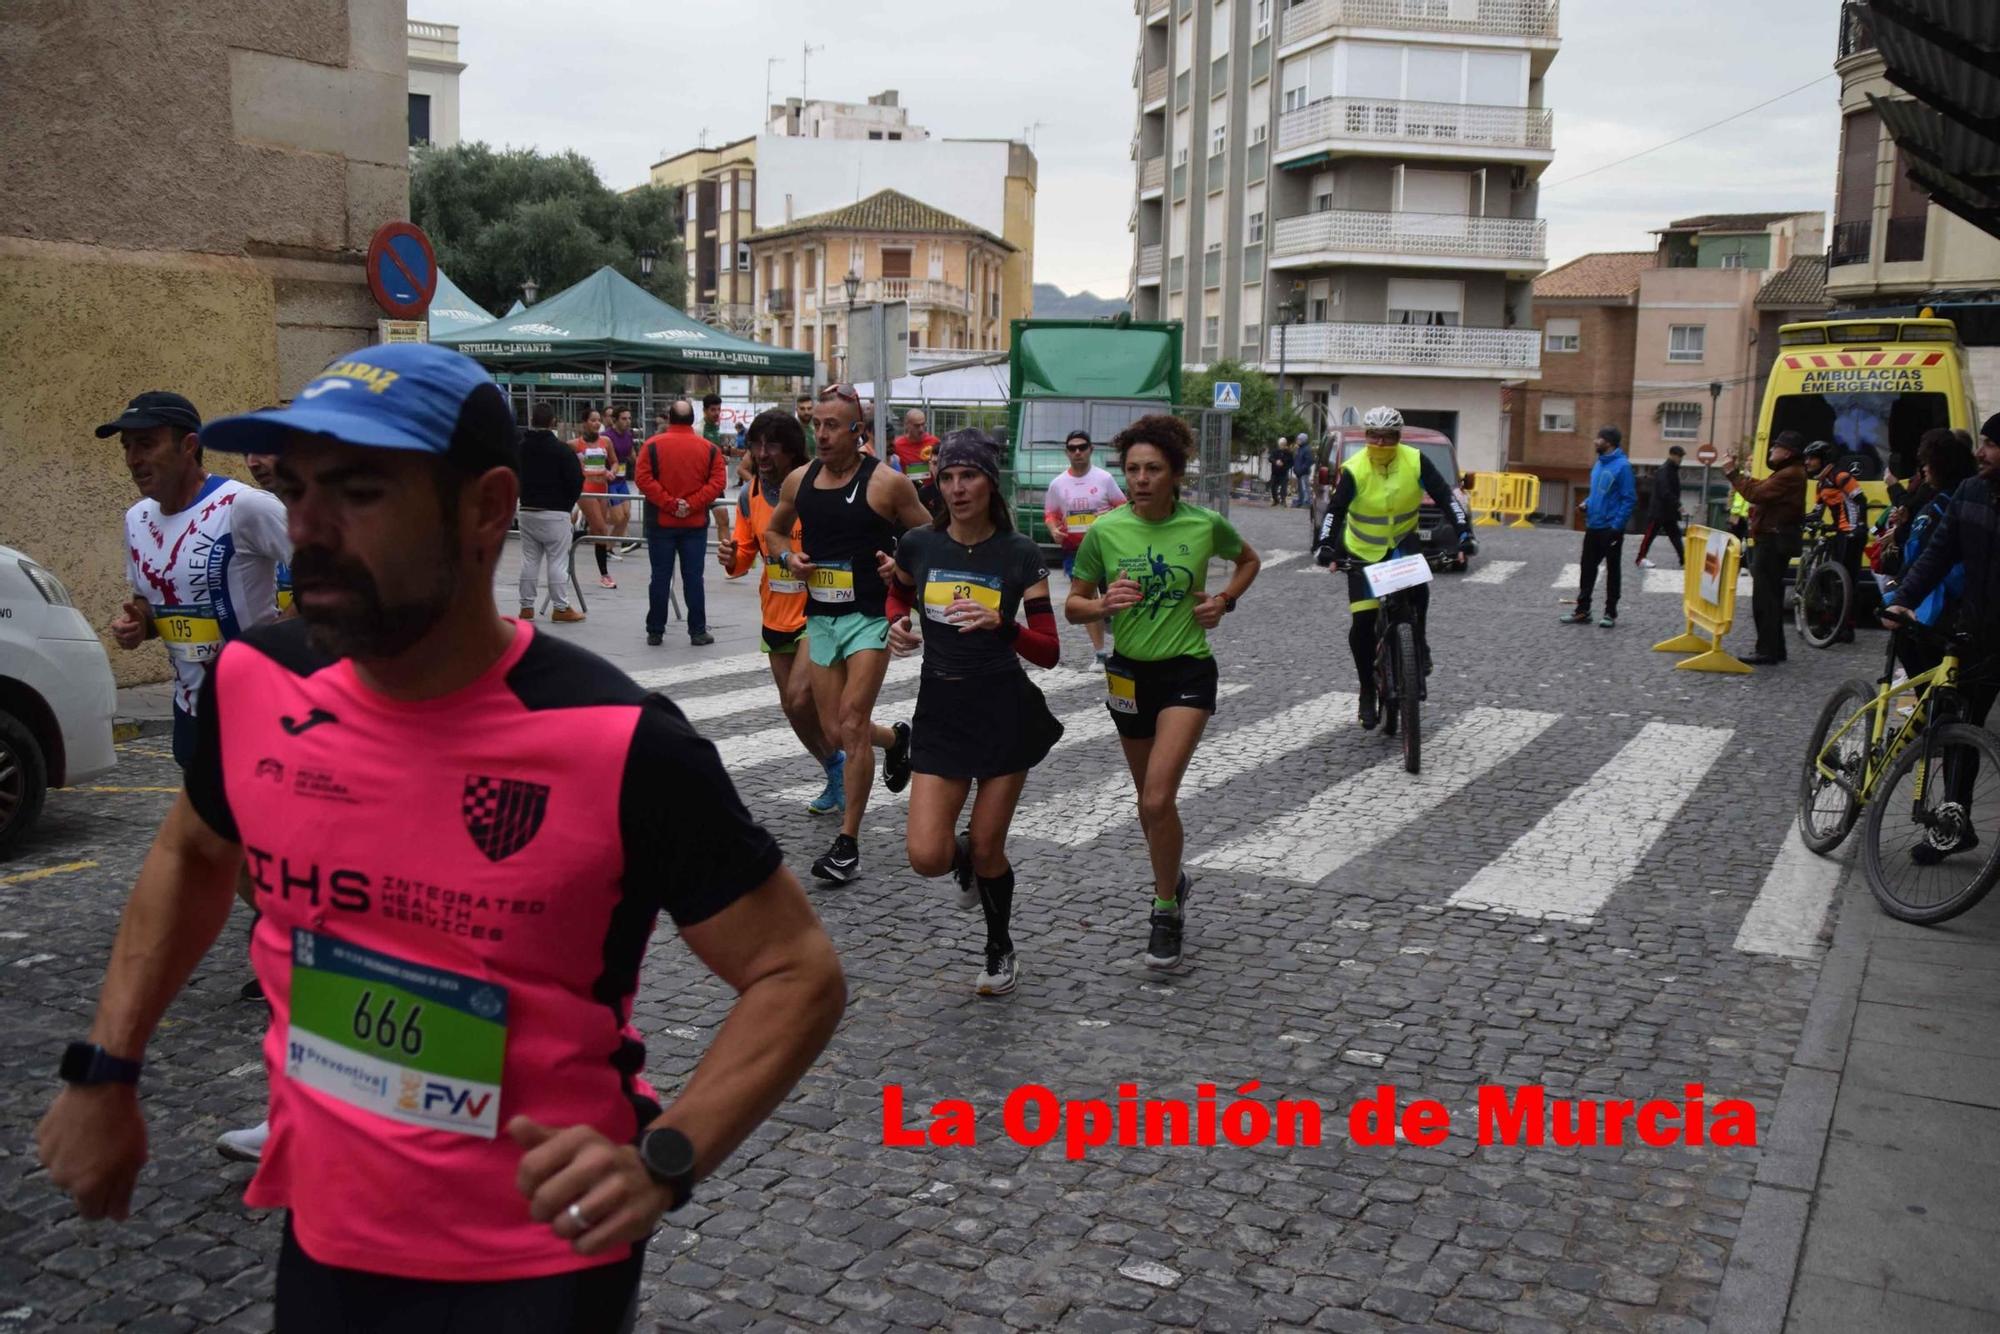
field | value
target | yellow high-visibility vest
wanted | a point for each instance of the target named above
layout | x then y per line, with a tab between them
1385	503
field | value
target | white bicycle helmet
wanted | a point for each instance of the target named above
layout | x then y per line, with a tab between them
1384	418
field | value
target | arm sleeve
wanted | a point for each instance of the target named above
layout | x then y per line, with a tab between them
1037	642
690	846
205	789
1441	493
1940	553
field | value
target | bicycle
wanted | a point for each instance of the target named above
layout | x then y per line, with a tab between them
1927	780
1399	662
1822	588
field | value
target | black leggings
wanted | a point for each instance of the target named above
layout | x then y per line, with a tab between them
1361	633
315	1298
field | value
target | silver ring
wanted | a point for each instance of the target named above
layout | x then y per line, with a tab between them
576	1217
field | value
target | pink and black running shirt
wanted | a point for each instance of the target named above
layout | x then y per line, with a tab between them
452	929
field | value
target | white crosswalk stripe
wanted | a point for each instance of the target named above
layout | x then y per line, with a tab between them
1578	854
1076	819
1791	905
1656	581
764	695
1495	571
666	678
1379	804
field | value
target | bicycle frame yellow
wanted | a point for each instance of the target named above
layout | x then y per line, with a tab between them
1881	757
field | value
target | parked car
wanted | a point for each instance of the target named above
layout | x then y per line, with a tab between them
1433	525
56	694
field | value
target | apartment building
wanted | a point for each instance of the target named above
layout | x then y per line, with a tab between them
882	117
718	208
433	82
896	249
1344	192
1587	312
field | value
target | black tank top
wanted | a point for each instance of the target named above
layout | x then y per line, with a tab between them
842	534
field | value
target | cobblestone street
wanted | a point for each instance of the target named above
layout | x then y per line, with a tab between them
1567	895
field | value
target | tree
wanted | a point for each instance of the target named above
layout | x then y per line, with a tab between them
1260	421
497	218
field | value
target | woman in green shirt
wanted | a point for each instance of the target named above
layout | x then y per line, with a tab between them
1144	567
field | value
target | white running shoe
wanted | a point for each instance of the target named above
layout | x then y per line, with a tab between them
999	975
243	1146
1645	564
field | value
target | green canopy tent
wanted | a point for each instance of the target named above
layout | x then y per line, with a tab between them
452	309
608	322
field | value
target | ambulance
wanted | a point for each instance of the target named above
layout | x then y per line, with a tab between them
1870	386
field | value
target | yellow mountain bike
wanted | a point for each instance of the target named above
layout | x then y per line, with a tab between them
1928	782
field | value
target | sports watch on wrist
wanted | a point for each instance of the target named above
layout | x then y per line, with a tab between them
668	1157
1228	603
86	1063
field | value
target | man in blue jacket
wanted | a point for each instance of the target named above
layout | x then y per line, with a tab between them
1302	467
1613	493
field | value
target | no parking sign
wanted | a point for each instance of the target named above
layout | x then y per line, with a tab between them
402	270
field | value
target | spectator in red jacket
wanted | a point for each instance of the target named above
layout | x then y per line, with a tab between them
680	475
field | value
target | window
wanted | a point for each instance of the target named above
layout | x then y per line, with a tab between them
1686	342
1562	335
1218	28
1680	421
1180	156
1253	231
1559	415
1735	259
874	134
1253	334
1259	133
1218	138
1321	297
743	257
420	118
1426	301
895	263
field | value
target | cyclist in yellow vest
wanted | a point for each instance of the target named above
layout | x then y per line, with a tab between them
1373	516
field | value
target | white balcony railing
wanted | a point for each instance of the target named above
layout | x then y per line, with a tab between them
1509	18
1149	263
1153	173
1155	7
1449	123
1444	235
1155	86
916	291
1411	346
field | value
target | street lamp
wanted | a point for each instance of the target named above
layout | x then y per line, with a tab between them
1714	401
852	282
529	289
646	258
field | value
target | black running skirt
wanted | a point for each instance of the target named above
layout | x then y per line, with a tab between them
980	726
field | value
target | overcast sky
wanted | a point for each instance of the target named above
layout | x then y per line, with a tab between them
626	82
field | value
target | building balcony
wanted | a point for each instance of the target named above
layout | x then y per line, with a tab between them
1153	176
1150	263
1415	129
1412	240
1857	30
1153	88
1435	351
778	300
1310	20
1156	9
1850	243
917	291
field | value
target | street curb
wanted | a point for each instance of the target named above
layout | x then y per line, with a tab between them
1763	1265
131	729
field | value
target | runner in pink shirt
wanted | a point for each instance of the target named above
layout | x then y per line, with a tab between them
1072	502
451	933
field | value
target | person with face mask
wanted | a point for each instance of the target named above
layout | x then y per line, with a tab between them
1371	516
455	1064
1613	495
1777	513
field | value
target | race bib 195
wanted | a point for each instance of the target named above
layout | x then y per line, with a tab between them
192	634
404	1040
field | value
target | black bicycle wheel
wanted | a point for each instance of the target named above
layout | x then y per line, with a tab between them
1827	811
1824	596
1386	688
1409	692
1930	859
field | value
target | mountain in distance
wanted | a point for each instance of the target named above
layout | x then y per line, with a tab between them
1052	303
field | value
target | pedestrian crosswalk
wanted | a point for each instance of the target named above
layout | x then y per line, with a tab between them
1571	857
1494	571
1654	581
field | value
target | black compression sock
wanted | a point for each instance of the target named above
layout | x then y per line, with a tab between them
603	558
996	899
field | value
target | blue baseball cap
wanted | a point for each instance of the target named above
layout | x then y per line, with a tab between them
409	396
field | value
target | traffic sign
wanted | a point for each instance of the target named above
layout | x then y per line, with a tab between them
1705	455
1228	395
402	270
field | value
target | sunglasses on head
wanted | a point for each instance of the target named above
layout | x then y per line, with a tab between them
846	391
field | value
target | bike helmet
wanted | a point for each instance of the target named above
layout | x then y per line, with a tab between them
1384	418
1821	449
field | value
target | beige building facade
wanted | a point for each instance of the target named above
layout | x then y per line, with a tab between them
898	249
718	210
200	229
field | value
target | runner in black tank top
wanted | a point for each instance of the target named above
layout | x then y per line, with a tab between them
844	535
849	512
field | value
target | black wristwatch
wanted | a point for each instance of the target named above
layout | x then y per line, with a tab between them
86	1063
1228	603
668	1157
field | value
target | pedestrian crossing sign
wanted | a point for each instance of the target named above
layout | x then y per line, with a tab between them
1228	395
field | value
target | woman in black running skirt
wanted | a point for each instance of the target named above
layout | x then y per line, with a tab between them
979	720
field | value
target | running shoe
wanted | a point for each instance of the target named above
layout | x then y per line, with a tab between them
243	1146
1609	620
841	863
1928	853
1104	657
961	871
1000	975
1643	563
606	581
896	760
253	990
1580	616
701	639
1370	712
1163	946
832	799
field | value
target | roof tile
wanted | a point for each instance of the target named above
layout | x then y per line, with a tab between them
1800	285
1603	275
883	211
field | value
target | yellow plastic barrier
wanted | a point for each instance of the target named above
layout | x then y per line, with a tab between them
1708	597
1484	500
1520	496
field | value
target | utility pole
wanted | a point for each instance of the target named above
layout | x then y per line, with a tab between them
764	116
805	59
